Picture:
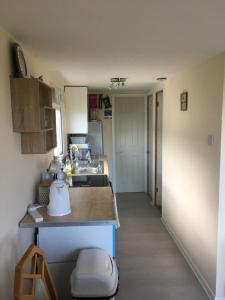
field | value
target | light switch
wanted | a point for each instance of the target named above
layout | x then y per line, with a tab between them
210	139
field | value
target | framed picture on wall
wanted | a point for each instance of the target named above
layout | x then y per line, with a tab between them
184	101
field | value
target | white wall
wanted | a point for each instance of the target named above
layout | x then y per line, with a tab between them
19	173
190	166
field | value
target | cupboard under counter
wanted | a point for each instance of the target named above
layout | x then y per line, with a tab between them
92	223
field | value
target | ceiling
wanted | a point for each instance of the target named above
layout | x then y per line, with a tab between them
89	41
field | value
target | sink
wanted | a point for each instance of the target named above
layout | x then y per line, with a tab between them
90	180
88	170
94	167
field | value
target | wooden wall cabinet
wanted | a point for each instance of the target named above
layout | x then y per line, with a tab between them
33	115
76	110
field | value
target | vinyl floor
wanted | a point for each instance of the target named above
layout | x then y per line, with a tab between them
151	266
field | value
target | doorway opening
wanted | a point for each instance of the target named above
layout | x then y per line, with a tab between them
158	148
154	148
150	148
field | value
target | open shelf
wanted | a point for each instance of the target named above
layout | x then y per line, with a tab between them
45	95
47	117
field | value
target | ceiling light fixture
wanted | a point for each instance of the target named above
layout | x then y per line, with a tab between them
117	82
161	78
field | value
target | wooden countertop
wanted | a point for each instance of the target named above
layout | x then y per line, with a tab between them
89	206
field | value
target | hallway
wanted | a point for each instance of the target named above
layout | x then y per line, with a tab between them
151	266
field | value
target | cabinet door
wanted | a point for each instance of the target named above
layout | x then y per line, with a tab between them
76	110
69	240
25	105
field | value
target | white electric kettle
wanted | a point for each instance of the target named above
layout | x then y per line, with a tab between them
59	200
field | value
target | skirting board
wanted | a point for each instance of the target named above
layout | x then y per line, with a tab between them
194	268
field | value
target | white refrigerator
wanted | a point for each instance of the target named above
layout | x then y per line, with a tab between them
95	137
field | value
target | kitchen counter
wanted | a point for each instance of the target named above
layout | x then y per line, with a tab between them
92	223
89	206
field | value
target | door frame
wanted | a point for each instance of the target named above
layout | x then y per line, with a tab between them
113	136
156	144
147	141
148	153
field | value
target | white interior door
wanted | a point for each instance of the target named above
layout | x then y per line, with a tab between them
129	118
158	149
